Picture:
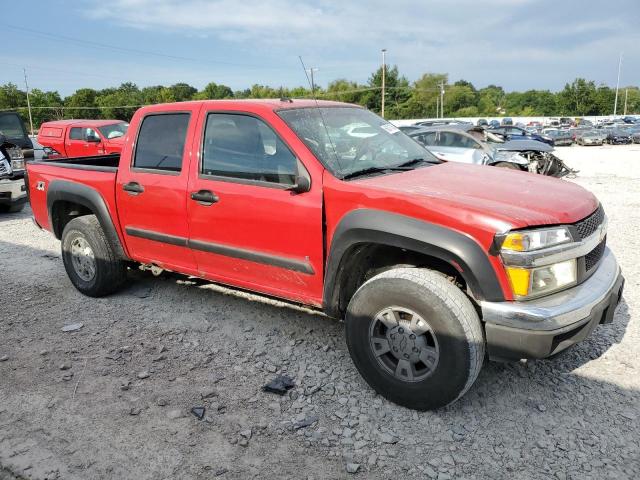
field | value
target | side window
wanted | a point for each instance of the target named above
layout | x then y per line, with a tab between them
76	134
244	147
160	144
90	133
428	138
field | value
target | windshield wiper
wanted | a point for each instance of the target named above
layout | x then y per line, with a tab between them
403	167
370	170
417	161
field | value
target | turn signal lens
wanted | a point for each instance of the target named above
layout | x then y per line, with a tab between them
526	241
520	279
540	281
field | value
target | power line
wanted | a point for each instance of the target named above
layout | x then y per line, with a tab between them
91	43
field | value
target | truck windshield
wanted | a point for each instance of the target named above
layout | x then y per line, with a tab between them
349	140
115	130
11	126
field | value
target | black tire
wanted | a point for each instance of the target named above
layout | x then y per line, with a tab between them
13	208
110	272
512	166
454	323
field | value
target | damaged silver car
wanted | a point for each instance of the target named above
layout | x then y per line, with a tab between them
474	145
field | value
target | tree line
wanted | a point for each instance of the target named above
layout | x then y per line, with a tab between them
403	99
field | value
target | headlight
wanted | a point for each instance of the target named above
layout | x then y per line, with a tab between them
535	282
17	164
527	241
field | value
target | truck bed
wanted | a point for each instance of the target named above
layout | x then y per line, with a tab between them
100	163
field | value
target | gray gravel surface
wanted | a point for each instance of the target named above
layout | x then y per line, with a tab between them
113	398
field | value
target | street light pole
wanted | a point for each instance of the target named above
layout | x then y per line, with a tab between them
313	84
442	99
615	104
28	101
384	68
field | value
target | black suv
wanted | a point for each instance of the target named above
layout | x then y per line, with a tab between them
12	126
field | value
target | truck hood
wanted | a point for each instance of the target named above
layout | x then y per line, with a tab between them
497	198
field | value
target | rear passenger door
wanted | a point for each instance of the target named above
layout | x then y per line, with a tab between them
151	189
246	227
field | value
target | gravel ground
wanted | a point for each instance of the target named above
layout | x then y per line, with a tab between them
113	399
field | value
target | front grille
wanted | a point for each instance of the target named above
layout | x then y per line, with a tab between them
592	258
589	225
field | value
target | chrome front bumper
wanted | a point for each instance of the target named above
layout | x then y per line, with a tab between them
13	191
542	327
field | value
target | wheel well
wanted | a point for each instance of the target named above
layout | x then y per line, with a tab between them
62	212
365	260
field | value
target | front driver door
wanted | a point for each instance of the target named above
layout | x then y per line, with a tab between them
246	228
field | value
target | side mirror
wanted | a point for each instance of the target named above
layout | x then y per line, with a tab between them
302	185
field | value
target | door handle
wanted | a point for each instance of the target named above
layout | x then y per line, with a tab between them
204	197
133	188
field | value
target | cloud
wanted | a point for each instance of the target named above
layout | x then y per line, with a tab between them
484	41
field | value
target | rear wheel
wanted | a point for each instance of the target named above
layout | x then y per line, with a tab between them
415	337
90	261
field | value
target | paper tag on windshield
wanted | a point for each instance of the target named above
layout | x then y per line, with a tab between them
390	128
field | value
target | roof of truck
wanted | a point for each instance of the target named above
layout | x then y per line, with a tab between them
81	121
270	103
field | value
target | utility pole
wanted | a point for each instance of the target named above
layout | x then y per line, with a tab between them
28	102
615	105
384	68
626	97
442	99
313	84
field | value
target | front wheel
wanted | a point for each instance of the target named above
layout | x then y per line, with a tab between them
415	337
89	259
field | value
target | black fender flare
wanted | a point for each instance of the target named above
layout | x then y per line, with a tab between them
62	190
385	228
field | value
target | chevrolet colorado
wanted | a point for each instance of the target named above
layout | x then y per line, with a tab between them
430	264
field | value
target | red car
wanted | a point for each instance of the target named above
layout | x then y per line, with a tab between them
79	138
430	263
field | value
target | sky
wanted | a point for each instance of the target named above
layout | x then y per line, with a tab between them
518	44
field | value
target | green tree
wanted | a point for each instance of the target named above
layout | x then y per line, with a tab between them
578	98
82	104
213	91
45	106
121	103
424	96
11	97
397	92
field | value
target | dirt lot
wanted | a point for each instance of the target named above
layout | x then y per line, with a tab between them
113	399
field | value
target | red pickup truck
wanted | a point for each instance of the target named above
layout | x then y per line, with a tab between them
81	138
431	264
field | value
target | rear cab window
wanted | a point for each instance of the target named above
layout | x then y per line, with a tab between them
160	143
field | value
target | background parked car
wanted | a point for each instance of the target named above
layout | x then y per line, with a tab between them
482	122
589	137
77	138
560	137
507	121
636	137
618	136
15	132
518	133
